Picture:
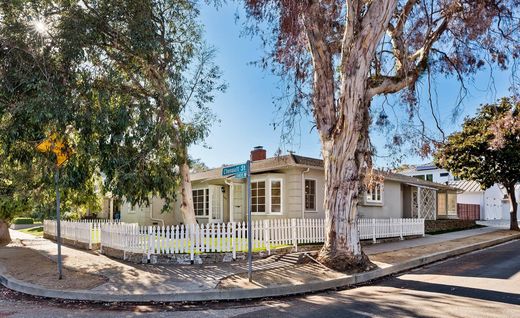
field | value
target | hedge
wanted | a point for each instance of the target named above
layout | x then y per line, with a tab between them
23	221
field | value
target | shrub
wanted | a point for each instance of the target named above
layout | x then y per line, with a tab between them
23	221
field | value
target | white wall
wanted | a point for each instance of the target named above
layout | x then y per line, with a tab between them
436	173
392	206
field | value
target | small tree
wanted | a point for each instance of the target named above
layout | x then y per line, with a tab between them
487	150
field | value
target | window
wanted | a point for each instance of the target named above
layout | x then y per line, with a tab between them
444	174
428	177
276	196
310	195
375	195
441	203
258	197
201	202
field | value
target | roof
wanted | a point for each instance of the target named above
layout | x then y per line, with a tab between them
466	185
292	160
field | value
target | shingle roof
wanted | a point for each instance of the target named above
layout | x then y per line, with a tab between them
293	160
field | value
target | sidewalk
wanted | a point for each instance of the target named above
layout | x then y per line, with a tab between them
276	275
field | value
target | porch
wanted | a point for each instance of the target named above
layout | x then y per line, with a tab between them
428	203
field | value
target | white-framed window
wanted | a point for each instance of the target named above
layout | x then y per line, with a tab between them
258	196
310	195
375	194
201	202
276	196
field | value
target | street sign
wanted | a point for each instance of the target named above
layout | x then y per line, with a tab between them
54	144
240	175
233	170
243	171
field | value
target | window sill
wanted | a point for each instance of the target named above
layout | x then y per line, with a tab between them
311	211
373	203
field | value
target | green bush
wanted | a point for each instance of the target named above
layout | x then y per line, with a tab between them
23	221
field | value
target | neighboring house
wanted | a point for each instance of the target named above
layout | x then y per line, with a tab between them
493	202
292	186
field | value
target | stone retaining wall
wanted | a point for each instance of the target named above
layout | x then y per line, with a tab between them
202	258
433	226
72	243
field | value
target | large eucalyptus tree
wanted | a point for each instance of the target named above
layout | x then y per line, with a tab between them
338	55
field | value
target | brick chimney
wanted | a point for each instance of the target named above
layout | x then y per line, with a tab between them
258	153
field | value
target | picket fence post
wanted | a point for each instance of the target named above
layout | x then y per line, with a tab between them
266	237
294	236
401	226
374	230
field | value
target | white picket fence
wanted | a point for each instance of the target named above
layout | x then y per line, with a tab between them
71	230
385	228
221	237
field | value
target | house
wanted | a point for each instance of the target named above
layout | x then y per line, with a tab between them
493	202
292	186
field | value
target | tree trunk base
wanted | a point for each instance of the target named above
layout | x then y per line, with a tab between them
344	261
5	237
514	226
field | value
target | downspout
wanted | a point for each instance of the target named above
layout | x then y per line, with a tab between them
303	191
151	214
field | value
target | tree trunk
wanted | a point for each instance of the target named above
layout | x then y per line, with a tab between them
514	208
5	237
345	159
187	208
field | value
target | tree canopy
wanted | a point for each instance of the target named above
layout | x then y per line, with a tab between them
487	149
126	83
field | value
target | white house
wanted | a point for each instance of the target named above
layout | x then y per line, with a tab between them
493	202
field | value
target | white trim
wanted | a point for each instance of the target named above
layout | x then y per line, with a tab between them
315	195
271	198
267	190
368	194
204	203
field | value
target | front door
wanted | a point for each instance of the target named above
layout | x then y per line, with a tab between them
238	203
216	203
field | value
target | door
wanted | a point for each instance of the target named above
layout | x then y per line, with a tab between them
216	203
238	204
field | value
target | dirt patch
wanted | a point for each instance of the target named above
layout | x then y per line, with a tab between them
414	252
293	274
29	266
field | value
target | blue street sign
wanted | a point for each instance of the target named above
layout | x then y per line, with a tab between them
233	170
241	175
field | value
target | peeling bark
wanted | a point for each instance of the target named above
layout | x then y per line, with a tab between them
187	207
514	208
5	237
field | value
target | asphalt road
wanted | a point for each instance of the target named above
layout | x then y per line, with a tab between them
480	284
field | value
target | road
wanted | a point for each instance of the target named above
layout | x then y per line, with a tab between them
480	284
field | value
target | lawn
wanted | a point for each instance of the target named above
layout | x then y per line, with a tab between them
36	231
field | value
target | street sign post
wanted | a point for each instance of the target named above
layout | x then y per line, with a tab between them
243	171
56	145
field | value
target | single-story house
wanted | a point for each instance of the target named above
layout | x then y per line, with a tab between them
292	186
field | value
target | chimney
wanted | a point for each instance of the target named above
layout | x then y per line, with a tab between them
258	153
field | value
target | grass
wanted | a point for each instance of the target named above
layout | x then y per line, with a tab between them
36	231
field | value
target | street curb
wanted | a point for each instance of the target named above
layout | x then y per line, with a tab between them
238	294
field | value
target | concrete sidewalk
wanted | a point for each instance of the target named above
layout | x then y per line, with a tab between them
276	275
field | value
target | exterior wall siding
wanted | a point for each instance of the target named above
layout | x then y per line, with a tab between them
392	206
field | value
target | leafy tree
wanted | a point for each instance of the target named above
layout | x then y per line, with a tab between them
125	83
487	149
336	56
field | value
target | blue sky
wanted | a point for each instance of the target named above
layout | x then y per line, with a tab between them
246	109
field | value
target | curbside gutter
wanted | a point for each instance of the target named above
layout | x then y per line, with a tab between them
240	294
